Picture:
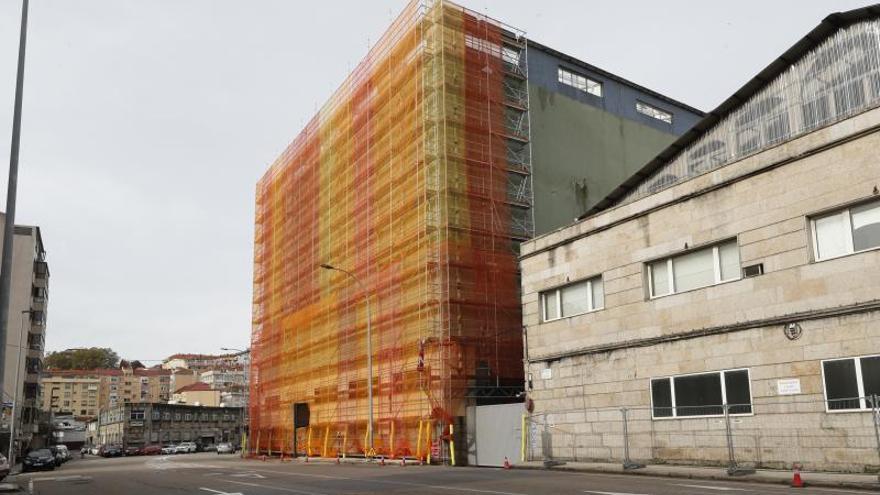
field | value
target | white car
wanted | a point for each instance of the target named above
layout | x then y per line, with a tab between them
95	450
169	449
186	448
225	448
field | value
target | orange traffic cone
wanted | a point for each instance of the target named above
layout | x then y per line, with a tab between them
506	463
796	481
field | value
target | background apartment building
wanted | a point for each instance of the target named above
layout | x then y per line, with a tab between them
75	391
200	362
455	139
26	334
725	299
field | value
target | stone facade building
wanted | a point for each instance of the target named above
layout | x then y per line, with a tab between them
137	425
733	283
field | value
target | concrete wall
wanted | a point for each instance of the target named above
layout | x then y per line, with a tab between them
604	360
584	146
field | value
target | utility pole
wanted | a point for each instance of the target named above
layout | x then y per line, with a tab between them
11	191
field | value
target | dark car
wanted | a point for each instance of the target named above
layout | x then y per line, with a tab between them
133	451
151	450
112	451
38	460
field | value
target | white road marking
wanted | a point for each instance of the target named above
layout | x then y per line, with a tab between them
248	475
389	482
720	488
219	492
270	487
613	493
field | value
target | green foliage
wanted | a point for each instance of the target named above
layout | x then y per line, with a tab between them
82	359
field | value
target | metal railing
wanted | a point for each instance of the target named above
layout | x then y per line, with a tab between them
774	433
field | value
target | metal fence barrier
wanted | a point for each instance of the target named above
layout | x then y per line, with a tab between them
783	432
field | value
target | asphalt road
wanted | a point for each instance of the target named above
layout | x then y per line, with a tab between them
205	474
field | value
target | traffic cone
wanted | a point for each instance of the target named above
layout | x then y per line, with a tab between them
796	481
506	463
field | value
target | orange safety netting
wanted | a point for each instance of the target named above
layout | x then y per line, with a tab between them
415	178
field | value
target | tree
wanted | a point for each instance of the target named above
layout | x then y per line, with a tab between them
83	359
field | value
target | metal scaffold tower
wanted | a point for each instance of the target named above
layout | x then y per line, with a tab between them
415	177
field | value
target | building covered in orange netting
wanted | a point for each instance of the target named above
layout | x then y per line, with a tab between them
415	178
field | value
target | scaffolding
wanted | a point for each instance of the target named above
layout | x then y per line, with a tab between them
415	177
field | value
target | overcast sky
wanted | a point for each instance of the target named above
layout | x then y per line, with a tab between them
148	123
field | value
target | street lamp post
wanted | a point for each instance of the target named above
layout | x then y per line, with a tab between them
245	414
16	389
369	355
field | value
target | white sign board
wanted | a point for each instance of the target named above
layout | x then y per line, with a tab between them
789	386
546	374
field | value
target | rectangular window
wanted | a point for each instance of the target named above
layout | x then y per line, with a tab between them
695	269
654	112
847	231
580	82
851	383
575	299
702	394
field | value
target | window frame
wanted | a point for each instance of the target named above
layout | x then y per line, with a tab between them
557	294
654	112
860	383
670	273
560	70
674	407
850	244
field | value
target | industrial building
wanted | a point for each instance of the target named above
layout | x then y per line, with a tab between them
721	306
26	336
138	425
453	141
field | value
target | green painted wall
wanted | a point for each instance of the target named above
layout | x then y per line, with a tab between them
580	153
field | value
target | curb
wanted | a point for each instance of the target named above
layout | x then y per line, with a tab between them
868	486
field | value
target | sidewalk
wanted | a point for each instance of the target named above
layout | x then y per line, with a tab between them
828	480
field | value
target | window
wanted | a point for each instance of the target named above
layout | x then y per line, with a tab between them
851	383
847	231
695	269
575	299
580	82
166	416
188	417
137	415
702	394
156	415
654	112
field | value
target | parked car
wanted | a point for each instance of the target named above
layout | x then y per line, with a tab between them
65	453
151	450
225	448
38	460
186	448
207	448
169	449
95	450
4	467
59	457
133	451
111	451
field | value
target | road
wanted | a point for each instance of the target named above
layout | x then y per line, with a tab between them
206	474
